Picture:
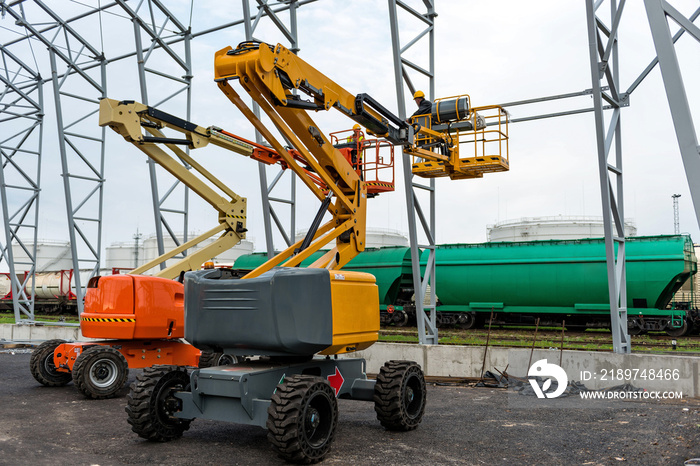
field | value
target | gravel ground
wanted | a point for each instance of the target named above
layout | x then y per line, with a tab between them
462	425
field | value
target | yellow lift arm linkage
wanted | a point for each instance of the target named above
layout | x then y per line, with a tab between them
270	75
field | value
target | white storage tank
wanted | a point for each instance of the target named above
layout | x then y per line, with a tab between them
50	255
546	228
50	285
227	258
376	238
123	254
5	285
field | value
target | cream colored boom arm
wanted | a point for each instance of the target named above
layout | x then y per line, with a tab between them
129	119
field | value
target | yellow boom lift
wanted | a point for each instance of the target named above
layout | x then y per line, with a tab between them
290	323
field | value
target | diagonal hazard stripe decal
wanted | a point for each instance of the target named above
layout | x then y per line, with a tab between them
104	319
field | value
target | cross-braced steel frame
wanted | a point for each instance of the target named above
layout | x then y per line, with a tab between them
73	60
603	53
154	22
607	95
21	130
426	314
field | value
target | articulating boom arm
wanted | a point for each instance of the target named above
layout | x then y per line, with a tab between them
271	75
129	118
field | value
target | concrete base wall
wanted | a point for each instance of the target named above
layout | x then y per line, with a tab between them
595	369
27	333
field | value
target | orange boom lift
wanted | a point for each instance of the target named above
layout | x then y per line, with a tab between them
137	319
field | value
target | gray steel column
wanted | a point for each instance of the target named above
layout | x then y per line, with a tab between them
426	314
269	213
159	34
658	12
21	134
95	176
611	188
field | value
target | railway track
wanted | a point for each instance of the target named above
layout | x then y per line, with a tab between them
522	338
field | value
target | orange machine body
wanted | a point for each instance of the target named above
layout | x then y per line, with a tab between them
138	353
141	317
133	307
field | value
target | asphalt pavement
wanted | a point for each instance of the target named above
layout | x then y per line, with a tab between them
462	425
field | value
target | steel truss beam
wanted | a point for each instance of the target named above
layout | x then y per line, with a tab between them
603	54
21	131
658	13
426	314
268	201
158	29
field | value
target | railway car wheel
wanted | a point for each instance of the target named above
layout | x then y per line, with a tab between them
635	327
399	395
209	359
42	366
151	403
399	318
678	331
100	372
466	320
302	419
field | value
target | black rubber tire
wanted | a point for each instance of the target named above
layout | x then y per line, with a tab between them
680	331
209	359
151	405
400	395
42	366
302	419
100	372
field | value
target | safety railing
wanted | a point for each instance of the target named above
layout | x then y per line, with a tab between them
460	142
372	159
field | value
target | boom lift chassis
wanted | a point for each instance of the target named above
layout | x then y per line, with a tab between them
289	339
264	317
148	329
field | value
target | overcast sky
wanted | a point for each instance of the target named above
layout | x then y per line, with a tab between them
497	52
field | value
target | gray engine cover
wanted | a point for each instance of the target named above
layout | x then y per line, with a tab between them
283	312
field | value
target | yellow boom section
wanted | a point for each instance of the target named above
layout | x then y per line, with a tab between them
269	75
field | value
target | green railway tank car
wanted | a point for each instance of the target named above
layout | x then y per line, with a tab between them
563	280
552	280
